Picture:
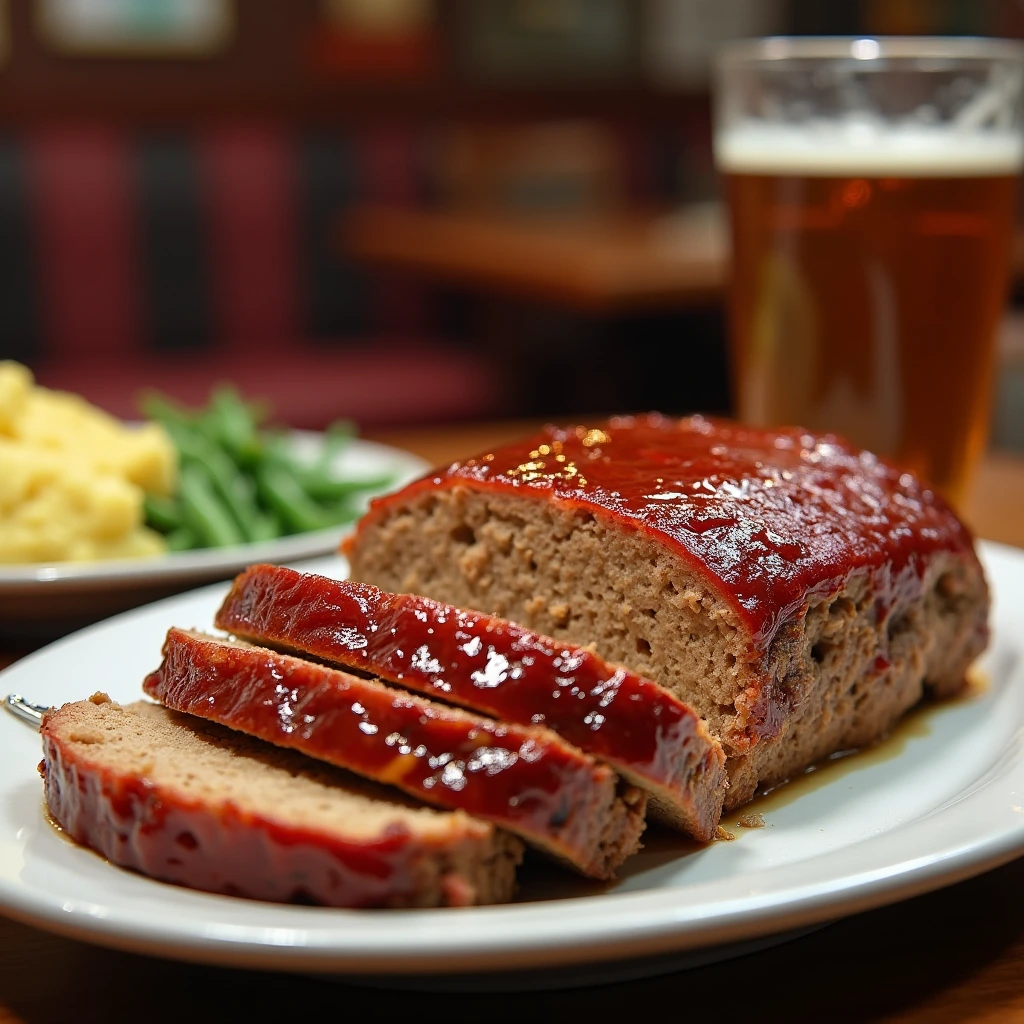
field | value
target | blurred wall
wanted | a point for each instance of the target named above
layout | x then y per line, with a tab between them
170	193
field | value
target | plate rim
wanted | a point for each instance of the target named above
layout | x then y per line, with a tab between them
645	923
236	945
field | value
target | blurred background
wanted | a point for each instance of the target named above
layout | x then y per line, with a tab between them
403	211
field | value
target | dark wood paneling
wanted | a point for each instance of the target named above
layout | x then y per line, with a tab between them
20	337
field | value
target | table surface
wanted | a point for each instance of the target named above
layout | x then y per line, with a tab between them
598	263
953	955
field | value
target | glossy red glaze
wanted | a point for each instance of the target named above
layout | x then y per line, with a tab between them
767	517
157	831
526	779
493	666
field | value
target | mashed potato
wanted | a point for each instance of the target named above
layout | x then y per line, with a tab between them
72	478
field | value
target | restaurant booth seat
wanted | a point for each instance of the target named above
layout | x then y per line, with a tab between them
176	259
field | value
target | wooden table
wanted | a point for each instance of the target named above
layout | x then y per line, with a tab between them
597	264
953	955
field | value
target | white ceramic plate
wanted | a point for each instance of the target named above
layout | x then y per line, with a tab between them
49	600
939	805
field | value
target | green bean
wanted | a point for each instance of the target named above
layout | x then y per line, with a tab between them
284	494
278	450
163	513
235	425
266	527
343	512
243	482
235	489
203	511
239	494
206	426
336	439
161	409
326	488
317	480
181	539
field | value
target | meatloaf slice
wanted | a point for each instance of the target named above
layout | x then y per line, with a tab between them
525	779
185	801
648	735
798	593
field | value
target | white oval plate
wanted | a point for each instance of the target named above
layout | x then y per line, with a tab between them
50	599
946	806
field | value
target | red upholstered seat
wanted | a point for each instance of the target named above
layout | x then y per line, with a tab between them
376	383
192	256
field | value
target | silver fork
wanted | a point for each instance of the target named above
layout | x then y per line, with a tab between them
24	709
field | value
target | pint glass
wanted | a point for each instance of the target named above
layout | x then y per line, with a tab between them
872	187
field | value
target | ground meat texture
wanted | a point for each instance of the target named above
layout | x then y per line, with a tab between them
859	590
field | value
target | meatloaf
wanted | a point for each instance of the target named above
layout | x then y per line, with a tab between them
800	594
185	801
496	667
525	779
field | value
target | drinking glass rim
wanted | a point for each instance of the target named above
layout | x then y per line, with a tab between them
866	49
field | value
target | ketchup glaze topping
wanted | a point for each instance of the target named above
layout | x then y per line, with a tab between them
770	516
493	666
526	779
164	833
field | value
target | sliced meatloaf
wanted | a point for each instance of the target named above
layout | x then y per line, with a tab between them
798	593
648	735
525	779
185	801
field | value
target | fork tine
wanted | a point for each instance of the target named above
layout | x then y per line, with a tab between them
24	709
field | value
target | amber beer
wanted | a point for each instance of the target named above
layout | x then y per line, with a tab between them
867	302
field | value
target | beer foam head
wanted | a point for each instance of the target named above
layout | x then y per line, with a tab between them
869	149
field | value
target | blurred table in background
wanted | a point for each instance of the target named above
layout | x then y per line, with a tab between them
597	263
995	504
638	283
581	311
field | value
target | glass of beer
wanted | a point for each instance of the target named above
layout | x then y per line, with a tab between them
872	188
